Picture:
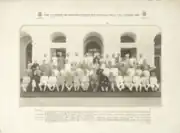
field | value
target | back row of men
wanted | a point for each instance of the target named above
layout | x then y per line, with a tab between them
58	62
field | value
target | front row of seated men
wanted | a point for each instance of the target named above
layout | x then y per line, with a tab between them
103	80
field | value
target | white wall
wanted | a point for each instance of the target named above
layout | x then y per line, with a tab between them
75	36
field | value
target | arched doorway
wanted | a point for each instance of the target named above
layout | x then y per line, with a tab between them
93	43
157	55
60	39
28	53
128	40
25	52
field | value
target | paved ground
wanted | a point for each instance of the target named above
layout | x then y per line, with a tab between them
90	94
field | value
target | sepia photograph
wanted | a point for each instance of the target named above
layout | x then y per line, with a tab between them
90	61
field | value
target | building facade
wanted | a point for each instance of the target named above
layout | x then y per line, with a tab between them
35	41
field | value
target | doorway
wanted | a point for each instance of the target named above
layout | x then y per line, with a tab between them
57	50
131	51
157	61
93	43
93	47
28	54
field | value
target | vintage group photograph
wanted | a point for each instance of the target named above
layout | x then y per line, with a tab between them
90	61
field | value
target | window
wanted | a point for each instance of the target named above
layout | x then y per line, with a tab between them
58	37
128	38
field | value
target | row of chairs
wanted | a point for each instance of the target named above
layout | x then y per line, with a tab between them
119	82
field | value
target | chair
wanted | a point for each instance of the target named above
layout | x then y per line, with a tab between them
52	83
120	82
128	82
154	83
43	82
25	82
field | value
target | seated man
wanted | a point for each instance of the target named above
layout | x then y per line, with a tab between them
145	79
33	85
76	82
114	71
61	80
85	83
146	73
52	83
128	82
106	73
94	80
144	83
137	82
55	71
103	78
112	81
131	71
69	81
43	83
120	82
25	82
36	78
154	82
138	71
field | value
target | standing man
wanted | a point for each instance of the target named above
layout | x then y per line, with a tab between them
60	61
46	68
54	59
34	66
140	60
46	58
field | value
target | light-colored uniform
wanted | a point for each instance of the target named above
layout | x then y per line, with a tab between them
154	83
54	61
120	82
